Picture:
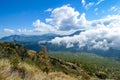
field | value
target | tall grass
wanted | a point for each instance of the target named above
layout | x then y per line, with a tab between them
31	72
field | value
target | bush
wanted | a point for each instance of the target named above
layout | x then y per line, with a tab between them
89	68
101	75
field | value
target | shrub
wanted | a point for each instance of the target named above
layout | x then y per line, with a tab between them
89	68
101	75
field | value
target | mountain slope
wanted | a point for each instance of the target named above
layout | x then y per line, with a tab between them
18	63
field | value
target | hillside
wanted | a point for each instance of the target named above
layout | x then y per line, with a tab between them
19	63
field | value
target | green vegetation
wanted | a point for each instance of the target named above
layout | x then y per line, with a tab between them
94	65
19	63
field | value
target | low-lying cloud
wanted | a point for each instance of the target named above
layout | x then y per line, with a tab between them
102	34
100	38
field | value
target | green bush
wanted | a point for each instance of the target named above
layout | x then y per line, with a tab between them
101	75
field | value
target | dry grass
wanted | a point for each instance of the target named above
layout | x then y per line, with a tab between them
31	73
5	71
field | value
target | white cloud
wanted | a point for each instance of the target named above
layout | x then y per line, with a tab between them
99	2
87	6
9	30
64	18
83	2
100	38
48	10
104	35
41	26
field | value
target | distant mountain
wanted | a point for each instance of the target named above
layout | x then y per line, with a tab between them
34	41
28	38
35	38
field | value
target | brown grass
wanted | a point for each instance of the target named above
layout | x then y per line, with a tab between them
31	73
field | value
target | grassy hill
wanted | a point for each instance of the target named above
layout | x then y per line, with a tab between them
19	63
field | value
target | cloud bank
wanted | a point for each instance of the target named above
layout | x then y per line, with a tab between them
103	34
100	38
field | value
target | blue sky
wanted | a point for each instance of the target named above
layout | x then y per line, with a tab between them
43	16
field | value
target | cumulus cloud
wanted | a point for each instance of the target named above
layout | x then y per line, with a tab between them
41	26
9	30
104	35
64	18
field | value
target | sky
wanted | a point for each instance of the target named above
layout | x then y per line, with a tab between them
36	17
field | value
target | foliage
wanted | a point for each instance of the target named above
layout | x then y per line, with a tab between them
92	64
73	64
